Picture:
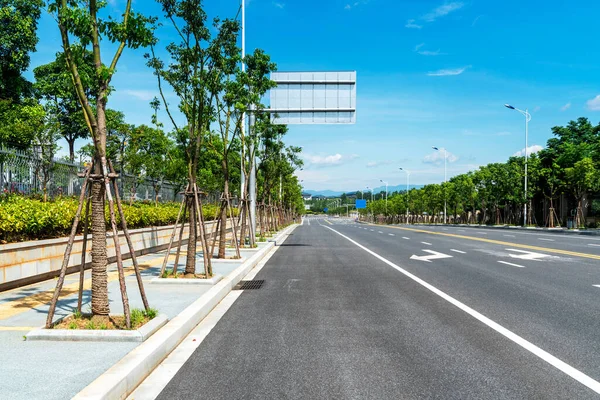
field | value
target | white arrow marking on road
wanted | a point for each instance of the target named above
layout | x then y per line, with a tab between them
527	255
434	256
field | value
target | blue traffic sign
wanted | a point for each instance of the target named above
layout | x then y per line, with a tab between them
326	209
361	204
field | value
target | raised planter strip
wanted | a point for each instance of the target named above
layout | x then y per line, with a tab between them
115	335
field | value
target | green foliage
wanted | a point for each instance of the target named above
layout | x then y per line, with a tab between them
24	218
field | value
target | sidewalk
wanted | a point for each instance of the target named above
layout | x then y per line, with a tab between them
59	370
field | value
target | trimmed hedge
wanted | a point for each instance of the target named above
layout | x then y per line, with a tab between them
23	218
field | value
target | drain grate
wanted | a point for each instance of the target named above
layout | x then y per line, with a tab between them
249	285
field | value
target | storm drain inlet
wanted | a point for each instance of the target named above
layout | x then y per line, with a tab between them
249	285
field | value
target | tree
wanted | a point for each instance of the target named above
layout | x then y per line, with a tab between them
190	71
21	117
53	83
582	178
80	21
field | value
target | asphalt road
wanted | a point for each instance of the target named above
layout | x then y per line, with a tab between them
357	311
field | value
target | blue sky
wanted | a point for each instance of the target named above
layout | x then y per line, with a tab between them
429	73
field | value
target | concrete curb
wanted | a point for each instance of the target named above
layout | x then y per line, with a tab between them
183	281
123	377
64	335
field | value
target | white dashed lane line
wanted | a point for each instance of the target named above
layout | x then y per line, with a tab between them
427	243
511	264
391	234
547	240
458	251
405	238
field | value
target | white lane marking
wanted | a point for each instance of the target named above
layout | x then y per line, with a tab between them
379	231
405	238
532	348
302	221
444	229
434	256
547	240
371	230
308	220
595	245
391	234
514	265
461	230
458	251
508	235
482	233
527	255
596	285
427	243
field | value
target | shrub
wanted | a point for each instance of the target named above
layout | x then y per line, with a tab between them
23	218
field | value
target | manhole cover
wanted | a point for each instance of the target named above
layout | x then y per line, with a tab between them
249	285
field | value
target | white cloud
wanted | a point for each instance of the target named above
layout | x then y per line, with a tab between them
437	157
537	108
530	150
327	161
430	53
279	5
373	164
449	72
417	47
594	104
565	107
476	19
443	10
411	24
145	95
355	4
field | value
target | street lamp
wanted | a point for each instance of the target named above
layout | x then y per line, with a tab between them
527	119
407	189
386	194
445	178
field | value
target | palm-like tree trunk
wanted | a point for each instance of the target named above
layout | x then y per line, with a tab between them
100	305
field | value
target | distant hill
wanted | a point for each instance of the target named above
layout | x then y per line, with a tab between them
333	193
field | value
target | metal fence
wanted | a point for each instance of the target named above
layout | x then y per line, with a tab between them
24	172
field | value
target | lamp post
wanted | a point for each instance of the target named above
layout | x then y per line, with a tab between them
445	179
527	119
386	194
407	189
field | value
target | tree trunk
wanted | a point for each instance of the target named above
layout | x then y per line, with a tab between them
223	217
190	264
71	150
100	304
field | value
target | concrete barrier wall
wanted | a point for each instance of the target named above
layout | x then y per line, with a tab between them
33	261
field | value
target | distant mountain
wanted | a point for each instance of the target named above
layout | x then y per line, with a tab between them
333	193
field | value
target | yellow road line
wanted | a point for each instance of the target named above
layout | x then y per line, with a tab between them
522	246
328	222
17	328
18	306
